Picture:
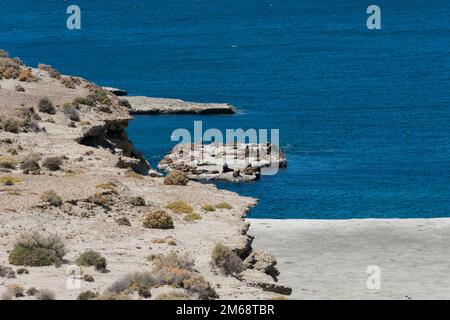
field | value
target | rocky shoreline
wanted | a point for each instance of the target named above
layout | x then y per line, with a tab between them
67	168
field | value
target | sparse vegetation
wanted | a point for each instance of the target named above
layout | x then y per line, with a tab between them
137	201
208	208
8	162
45	105
33	249
9	68
51	197
176	177
227	260
223	205
158	219
45	294
179	207
192	217
68	82
102	97
99	199
9	181
53	163
91	258
88	278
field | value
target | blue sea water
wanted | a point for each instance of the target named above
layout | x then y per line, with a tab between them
364	115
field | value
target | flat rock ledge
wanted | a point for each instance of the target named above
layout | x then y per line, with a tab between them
237	162
147	105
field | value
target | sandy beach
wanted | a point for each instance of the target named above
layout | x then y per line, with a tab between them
328	259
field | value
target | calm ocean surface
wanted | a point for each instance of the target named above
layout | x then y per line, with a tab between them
364	116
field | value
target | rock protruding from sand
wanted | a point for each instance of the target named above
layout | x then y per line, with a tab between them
147	105
236	162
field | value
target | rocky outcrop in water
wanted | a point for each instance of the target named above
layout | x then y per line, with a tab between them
233	162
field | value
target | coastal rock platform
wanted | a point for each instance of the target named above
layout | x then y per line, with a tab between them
147	105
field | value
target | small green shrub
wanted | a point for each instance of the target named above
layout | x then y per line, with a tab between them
51	197
176	177
158	219
179	207
102	97
91	258
35	250
87	101
227	260
45	105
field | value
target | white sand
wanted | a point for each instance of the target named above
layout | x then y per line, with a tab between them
328	259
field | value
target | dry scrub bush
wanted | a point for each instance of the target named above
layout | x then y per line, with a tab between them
8	162
87	295
158	219
19	88
71	112
91	258
140	282
173	269
45	294
53	163
227	260
33	249
30	164
26	75
9	181
16	290
87	101
52	72
137	201
198	286
123	222
176	177
51	197
13	125
7	272
208	208
9	68
223	205
32	291
192	217
179	207
45	105
69	82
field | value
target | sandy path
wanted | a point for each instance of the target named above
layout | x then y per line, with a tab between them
328	259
